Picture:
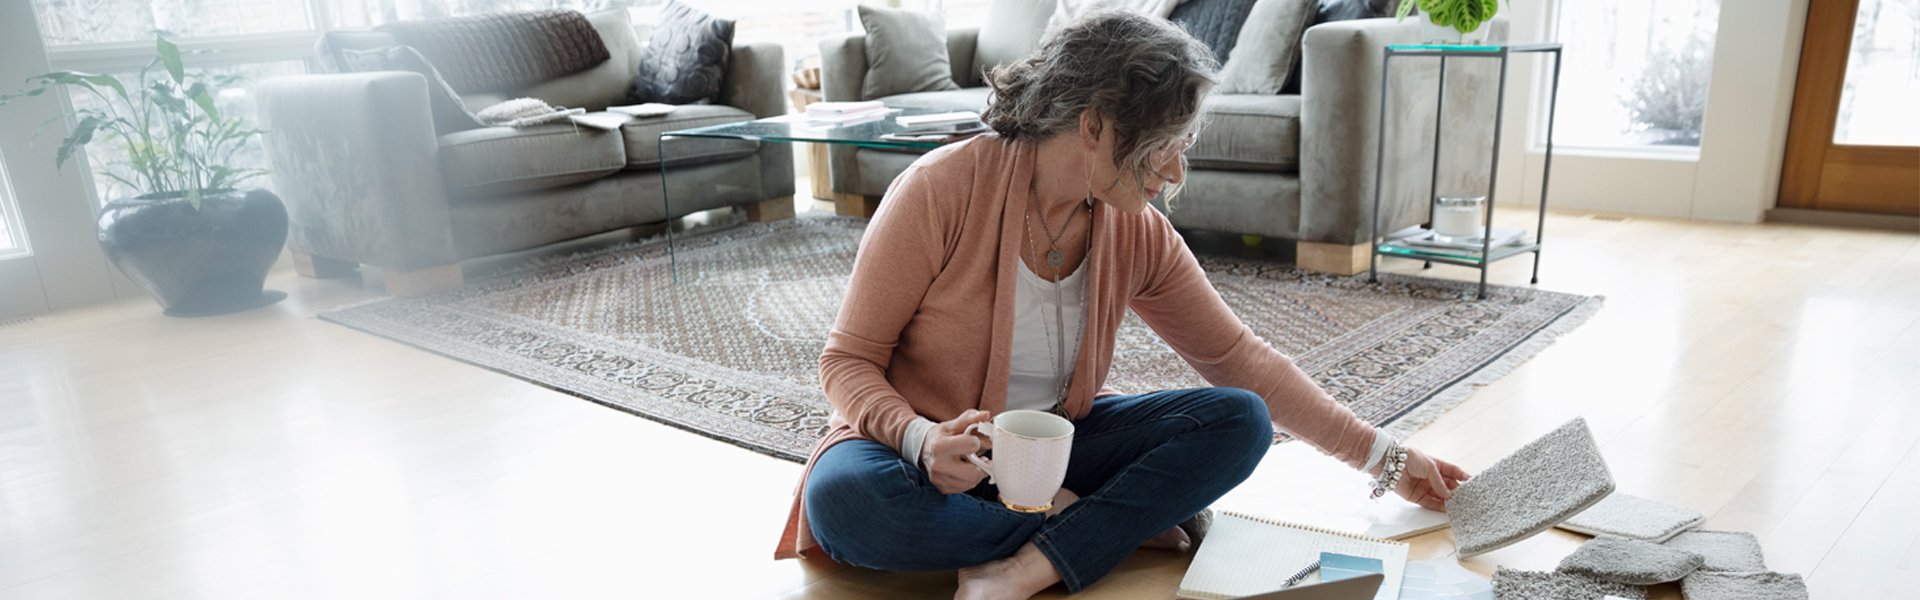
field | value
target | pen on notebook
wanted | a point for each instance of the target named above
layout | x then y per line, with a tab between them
1304	572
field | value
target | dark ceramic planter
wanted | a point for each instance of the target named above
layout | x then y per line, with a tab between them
197	263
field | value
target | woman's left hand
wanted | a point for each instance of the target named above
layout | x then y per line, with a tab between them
1429	481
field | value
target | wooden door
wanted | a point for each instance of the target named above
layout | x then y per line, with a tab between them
1853	143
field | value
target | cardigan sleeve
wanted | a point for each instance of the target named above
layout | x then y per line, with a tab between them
1182	307
901	253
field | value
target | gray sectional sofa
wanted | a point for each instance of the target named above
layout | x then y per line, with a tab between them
367	180
1291	166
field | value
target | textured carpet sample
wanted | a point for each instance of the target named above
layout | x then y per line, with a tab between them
1705	585
1533	489
1736	551
1511	584
1634	518
1632	562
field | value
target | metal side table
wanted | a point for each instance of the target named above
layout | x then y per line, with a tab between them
1487	255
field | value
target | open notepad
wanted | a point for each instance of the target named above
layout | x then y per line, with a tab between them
1245	555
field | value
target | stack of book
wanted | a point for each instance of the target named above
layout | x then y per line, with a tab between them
1423	239
846	113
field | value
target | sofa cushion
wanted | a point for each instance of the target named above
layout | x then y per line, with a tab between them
505	160
1012	31
606	83
906	52
642	137
1268	48
1249	132
685	60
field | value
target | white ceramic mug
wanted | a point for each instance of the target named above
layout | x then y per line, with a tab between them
1030	452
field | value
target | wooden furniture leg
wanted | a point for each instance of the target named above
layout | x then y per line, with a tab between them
776	209
1336	259
855	205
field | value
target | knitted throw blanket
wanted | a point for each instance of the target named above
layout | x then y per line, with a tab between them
504	51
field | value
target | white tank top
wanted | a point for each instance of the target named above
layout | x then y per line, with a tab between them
1032	384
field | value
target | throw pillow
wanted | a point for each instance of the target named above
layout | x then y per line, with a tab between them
906	52
1328	11
1268	48
449	113
1012	32
685	60
1216	23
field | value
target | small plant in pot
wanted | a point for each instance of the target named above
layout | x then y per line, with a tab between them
194	239
1452	21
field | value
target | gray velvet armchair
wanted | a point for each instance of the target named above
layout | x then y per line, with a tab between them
367	180
1293	167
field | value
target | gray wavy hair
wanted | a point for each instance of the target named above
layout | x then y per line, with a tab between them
1145	75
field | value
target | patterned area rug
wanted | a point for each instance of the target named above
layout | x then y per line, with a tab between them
732	352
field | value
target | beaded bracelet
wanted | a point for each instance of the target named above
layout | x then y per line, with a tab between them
1390	472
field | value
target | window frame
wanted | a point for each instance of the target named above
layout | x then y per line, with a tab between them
10	218
1543	90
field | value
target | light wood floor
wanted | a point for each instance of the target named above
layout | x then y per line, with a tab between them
1768	376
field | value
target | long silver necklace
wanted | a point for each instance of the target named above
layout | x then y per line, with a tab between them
1056	259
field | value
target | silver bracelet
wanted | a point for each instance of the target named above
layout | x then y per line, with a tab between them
1390	472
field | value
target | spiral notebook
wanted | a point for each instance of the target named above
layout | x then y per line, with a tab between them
1245	555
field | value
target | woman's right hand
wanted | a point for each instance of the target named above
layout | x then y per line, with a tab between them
943	454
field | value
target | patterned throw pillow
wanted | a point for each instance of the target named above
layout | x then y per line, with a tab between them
685	60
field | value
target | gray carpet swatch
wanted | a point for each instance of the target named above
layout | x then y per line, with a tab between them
1736	551
1533	489
1511	584
1634	518
1632	562
1703	585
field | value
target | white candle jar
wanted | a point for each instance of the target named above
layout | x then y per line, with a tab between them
1459	217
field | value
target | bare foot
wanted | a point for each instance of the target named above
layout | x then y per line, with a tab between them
1016	577
1174	538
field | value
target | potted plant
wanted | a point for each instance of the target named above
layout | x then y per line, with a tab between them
1452	21
194	239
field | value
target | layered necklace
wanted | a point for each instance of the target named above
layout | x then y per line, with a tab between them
1055	258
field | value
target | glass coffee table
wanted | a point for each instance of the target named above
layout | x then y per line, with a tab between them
793	129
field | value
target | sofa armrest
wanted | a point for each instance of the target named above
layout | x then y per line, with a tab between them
961	44
356	160
757	83
1340	121
843	67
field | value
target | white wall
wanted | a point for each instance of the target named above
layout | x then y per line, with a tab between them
1736	177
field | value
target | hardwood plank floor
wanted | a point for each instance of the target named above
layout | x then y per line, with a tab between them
1766	375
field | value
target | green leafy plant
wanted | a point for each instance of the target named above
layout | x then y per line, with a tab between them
175	139
1463	16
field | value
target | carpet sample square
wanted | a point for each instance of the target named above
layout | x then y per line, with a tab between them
1736	551
1513	584
1704	585
1631	562
1529	491
1634	518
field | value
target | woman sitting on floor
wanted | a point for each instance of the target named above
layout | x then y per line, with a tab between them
994	277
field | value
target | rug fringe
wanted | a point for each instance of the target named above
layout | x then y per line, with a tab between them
1446	399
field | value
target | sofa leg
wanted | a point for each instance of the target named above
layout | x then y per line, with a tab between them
321	267
412	284
777	209
855	205
1336	259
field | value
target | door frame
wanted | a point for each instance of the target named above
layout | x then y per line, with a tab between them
1810	150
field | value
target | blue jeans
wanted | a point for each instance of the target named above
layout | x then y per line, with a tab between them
1141	464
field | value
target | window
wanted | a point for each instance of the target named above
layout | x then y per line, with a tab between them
77	22
1883	77
13	239
1635	73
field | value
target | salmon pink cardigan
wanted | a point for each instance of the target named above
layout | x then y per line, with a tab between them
926	328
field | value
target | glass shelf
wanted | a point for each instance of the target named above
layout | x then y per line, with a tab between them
1471	49
1469	258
